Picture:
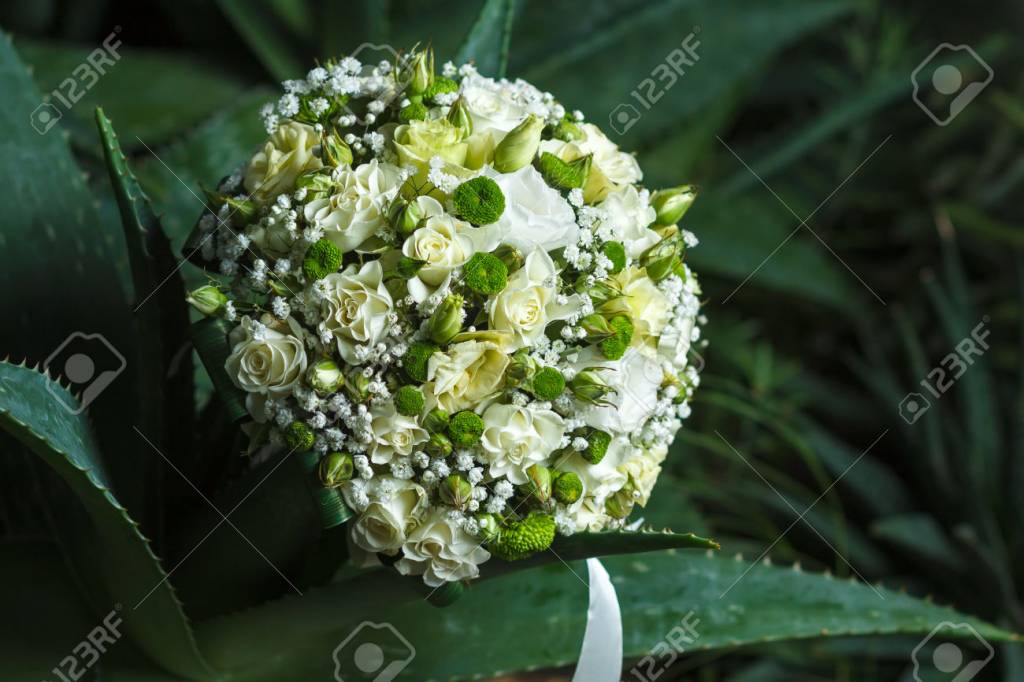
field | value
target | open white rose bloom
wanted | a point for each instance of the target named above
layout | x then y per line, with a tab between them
459	296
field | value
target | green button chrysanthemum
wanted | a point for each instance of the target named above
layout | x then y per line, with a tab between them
527	536
479	201
485	274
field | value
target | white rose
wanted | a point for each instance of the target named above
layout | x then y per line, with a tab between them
611	168
674	341
636	378
287	154
358	207
268	362
394	434
355	309
492	109
386	522
628	220
529	301
646	304
441	551
535	215
515	438
467	374
443	243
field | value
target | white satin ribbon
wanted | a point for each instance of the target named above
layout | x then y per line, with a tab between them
601	652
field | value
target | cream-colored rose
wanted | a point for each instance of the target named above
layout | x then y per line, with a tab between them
628	220
386	522
467	374
517	437
266	361
288	153
443	243
529	301
441	551
611	167
355	309
358	206
394	434
636	378
642	470
535	216
646	304
420	141
492	108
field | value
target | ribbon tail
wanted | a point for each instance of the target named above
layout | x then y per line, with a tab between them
601	652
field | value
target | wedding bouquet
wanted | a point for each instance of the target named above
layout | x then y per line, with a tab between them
458	296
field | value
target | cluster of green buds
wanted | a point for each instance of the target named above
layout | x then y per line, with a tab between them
665	257
522	538
523	372
612	332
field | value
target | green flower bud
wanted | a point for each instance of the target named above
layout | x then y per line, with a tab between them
436	421
616	253
357	385
409	401
459	117
299	436
465	428
519	146
242	210
334	151
322	258
335	469
485	274
489	526
567	131
597	445
525	537
405	216
548	384
567	488
600	292
597	327
421	72
589	387
660	259
456	491
438	445
317	183
208	300
440	86
414	111
614	347
479	201
325	377
408	267
539	482
414	362
521	369
620	504
673	203
510	256
446	321
564	175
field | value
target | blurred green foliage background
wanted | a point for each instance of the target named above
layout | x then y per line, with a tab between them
848	243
